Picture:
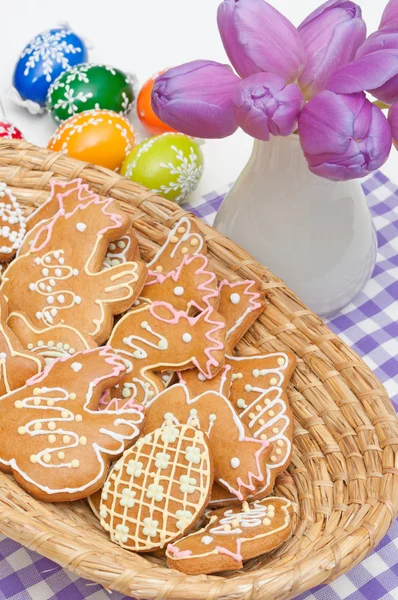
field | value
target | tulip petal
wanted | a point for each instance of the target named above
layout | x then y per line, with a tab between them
361	143
379	40
235	52
325	123
331	40
196	99
390	15
269	40
198	119
367	73
264	105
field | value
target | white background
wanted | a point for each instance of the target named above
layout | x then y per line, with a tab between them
143	36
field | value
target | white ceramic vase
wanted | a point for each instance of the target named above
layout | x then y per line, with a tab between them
315	234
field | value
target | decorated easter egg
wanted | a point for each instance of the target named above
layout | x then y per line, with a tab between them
88	86
100	137
145	111
170	164
43	59
9	131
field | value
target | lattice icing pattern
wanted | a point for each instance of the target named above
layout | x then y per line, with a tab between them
159	488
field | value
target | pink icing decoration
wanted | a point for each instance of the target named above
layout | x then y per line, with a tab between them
159	278
205	316
85	203
178	553
235	556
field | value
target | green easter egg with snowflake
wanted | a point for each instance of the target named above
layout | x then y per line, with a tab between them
170	165
89	86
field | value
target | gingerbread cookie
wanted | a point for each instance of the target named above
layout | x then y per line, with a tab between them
258	396
59	279
12	224
53	439
191	285
50	343
197	383
155	337
184	239
232	537
16	364
239	460
241	303
158	489
122	250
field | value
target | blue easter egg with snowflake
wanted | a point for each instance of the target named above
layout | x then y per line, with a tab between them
43	59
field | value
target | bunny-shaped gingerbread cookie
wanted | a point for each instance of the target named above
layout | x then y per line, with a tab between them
53	439
58	278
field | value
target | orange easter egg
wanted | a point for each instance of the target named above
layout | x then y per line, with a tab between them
145	111
100	137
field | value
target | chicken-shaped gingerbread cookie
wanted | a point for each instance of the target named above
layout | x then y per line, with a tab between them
157	337
53	439
16	364
58	278
233	536
259	398
239	460
191	286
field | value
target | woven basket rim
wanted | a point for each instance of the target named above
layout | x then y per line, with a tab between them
343	475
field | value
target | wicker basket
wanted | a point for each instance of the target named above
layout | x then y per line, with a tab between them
344	473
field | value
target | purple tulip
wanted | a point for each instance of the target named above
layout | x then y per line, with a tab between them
196	99
331	34
393	120
375	68
258	38
265	105
389	18
344	136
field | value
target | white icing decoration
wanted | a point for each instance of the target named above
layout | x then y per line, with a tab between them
178	290
235	462
235	298
192	454
81	227
76	366
187	484
207	539
127	498
155	491
184	519
187	337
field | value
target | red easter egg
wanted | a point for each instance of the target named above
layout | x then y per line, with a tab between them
9	131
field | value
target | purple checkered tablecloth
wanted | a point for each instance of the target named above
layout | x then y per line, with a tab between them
370	326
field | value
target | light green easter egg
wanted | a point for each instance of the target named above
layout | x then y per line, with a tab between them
170	165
